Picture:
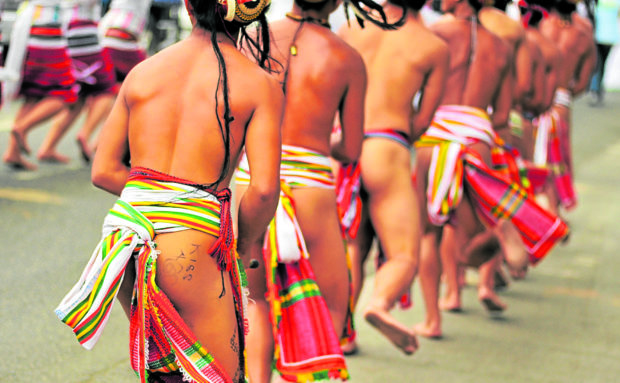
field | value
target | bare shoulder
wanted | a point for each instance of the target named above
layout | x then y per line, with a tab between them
431	45
344	52
444	27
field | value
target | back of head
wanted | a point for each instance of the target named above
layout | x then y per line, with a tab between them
229	17
414	5
534	11
501	4
476	4
315	5
565	7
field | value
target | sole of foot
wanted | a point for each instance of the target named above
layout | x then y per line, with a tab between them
399	335
422	330
21	141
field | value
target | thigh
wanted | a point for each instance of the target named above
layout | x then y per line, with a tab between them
392	199
201	293
318	219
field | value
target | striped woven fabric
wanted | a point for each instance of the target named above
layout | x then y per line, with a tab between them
548	152
453	128
300	167
92	66
307	347
507	160
160	340
495	196
47	69
348	187
390	134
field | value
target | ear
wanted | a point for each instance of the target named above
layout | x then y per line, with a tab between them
190	12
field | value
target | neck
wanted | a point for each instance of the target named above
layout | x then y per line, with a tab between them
463	10
394	11
222	38
318	14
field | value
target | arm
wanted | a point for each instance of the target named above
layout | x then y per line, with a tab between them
347	146
523	66
585	70
432	93
502	103
535	100
109	171
551	83
263	145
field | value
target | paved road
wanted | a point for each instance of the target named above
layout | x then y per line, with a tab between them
561	325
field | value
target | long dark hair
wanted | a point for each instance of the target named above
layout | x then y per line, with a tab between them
210	16
366	10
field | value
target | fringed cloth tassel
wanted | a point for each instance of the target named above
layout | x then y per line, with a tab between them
306	345
160	341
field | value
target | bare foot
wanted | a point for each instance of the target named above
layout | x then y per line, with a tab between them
53	157
85	150
18	163
20	140
518	274
399	335
491	302
450	304
500	280
350	348
430	332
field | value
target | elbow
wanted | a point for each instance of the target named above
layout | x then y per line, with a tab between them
347	154
268	195
102	180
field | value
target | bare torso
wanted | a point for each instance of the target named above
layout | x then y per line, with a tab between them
397	72
479	61
551	61
319	76
573	42
534	99
172	125
513	34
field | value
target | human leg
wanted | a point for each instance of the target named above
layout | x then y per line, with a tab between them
60	125
448	251
430	263
393	208
201	294
98	110
319	223
28	118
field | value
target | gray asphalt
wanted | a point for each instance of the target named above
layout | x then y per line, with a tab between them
561	325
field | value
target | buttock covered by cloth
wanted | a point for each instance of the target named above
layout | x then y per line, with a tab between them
549	153
395	135
563	97
300	167
494	196
453	129
47	68
92	66
349	182
160	340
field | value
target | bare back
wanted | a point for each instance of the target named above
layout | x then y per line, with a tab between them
551	61
400	64
513	34
479	61
500	24
319	76
573	42
172	124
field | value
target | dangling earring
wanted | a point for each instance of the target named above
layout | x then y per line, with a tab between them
230	8
250	10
